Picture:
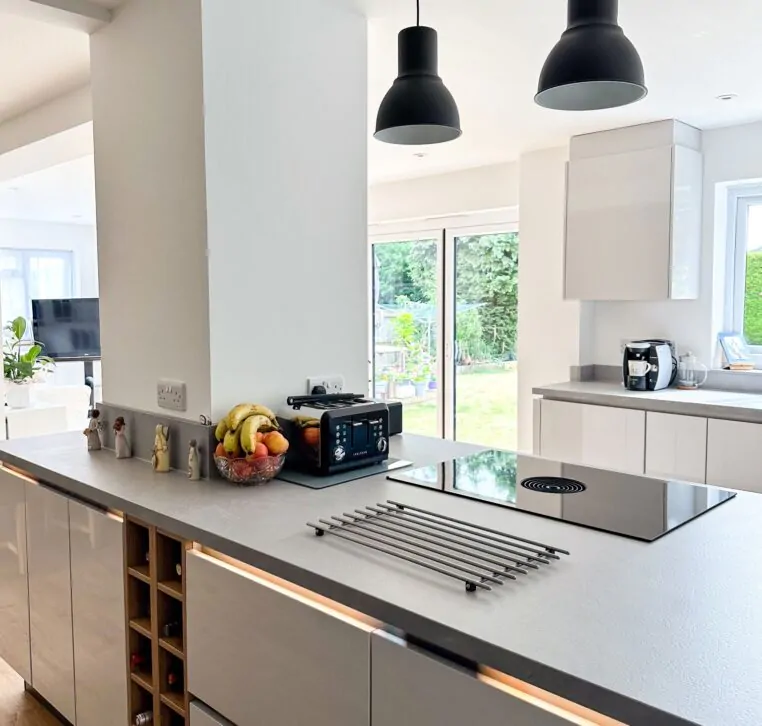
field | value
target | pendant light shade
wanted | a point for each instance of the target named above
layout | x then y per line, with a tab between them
594	65
418	108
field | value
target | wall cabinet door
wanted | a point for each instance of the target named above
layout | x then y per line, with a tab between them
98	609
14	593
602	436
732	457
676	447
50	597
413	688
261	656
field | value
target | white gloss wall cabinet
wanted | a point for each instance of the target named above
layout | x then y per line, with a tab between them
14	593
412	688
633	226
50	597
600	436
260	655
676	447
732	457
98	608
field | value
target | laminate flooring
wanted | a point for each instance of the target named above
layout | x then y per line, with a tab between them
17	707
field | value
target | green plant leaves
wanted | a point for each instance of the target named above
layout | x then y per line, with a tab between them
21	366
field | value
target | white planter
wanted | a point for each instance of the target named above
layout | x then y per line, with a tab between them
17	395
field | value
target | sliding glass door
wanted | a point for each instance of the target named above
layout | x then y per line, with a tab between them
406	328
445	310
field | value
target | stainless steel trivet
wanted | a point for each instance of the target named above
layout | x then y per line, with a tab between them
475	555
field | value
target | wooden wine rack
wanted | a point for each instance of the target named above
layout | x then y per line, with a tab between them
155	598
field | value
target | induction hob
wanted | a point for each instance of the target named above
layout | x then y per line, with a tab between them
624	504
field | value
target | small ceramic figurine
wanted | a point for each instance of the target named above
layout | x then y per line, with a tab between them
121	442
93	431
160	458
194	465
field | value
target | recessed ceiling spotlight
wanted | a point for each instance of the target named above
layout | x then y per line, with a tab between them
76	216
420	154
727	97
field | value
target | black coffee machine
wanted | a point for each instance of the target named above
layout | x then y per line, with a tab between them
648	365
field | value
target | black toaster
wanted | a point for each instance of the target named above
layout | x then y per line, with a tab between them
331	433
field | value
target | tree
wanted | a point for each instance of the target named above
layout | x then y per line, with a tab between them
752	317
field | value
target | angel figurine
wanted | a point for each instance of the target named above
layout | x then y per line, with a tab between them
194	465
121	442
93	431
160	458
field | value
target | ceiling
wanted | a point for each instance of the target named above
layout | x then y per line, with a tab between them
63	193
491	53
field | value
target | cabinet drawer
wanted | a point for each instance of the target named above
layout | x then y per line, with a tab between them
414	688
259	654
200	715
14	589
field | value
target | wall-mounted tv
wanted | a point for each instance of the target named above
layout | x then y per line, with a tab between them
69	329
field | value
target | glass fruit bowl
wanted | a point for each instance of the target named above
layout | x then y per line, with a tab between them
249	471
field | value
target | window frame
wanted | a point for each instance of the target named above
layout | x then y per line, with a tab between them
740	199
24	272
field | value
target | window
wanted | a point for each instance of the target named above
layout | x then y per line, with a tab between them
444	309
27	275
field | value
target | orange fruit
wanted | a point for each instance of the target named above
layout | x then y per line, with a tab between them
220	450
260	451
276	443
260	436
312	436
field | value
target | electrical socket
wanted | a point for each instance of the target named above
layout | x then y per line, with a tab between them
172	395
332	384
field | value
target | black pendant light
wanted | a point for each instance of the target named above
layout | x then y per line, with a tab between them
418	109
594	65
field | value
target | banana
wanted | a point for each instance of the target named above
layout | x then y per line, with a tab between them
238	414
232	443
249	429
222	429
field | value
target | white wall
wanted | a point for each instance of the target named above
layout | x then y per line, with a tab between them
461	192
285	89
552	331
730	154
151	206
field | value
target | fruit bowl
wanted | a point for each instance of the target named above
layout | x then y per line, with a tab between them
250	472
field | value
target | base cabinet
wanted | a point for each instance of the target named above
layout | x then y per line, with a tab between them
14	589
50	598
676	447
262	656
731	457
98	605
413	688
201	715
600	436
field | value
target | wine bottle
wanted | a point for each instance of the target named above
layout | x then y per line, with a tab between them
179	569
136	660
144	718
172	629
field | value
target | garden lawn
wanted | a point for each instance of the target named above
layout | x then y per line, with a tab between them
485	410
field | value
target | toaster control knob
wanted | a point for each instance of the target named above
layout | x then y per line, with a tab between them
339	453
382	444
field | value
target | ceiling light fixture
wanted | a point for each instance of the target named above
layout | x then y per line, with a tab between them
727	97
594	65
418	109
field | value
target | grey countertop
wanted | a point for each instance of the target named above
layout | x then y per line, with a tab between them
659	633
702	402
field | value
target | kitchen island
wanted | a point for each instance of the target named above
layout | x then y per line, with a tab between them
644	633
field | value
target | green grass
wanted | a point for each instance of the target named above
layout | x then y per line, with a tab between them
485	410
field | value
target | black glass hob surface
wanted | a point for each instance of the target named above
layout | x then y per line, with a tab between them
632	506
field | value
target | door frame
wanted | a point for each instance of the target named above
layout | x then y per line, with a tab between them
445	230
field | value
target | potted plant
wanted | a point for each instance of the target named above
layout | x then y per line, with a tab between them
23	363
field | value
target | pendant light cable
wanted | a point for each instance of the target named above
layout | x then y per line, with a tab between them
418	12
